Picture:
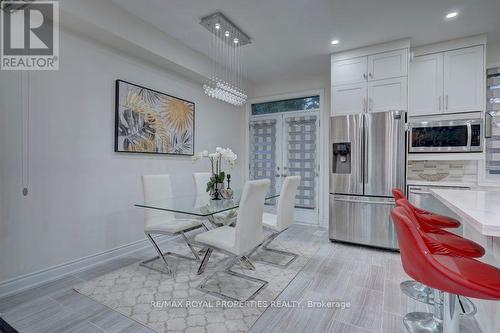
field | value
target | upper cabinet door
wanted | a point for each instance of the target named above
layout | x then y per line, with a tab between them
387	95
388	65
464	80
349	71
349	99
426	85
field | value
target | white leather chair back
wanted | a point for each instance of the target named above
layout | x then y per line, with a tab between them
200	181
156	188
249	232
286	202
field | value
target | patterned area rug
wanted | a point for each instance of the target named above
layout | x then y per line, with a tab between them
172	303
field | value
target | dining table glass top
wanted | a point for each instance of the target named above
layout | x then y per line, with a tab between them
198	205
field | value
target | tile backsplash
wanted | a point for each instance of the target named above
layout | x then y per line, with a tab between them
443	171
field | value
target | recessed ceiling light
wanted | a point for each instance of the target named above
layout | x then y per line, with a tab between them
451	15
335	42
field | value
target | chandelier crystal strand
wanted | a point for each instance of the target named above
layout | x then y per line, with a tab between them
226	81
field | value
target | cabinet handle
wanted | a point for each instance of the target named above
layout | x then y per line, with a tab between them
364	76
364	104
371	75
370	107
439	102
446	102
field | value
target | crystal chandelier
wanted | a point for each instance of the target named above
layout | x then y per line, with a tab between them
227	76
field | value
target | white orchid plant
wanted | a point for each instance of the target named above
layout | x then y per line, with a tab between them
216	159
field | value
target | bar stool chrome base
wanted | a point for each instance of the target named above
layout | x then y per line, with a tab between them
467	308
420	322
446	316
417	291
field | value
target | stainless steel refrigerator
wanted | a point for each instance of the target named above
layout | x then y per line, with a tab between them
367	160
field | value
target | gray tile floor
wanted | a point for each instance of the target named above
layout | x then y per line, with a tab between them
366	278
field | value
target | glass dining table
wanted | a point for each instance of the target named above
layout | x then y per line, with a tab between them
218	212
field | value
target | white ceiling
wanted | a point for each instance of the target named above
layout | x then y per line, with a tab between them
291	38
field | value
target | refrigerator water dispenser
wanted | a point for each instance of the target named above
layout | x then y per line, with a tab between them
341	157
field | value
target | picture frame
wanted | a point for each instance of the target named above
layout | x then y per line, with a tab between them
148	121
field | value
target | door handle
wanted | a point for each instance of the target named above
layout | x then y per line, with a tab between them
419	191
365	150
391	203
361	144
469	135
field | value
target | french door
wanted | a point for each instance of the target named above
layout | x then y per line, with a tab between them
283	145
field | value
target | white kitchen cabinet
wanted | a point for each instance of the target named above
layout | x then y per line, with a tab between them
349	99
388	65
464	80
349	71
387	95
426	85
374	82
447	82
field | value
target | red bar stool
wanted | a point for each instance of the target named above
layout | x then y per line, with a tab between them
443	241
449	274
439	241
439	221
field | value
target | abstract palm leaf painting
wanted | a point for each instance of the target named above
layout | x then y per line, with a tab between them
148	121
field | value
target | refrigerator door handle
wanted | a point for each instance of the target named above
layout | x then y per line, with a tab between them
365	148
391	203
359	162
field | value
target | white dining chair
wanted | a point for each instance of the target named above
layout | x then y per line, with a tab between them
203	197
200	182
239	241
159	222
283	218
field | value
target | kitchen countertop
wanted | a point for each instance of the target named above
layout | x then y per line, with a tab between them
480	209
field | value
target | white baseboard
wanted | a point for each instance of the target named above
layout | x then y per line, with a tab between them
30	280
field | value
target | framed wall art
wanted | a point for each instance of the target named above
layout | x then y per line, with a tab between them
149	121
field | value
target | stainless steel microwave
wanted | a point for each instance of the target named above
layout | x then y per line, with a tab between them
453	136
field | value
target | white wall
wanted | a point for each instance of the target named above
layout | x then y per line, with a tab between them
493	55
81	193
285	86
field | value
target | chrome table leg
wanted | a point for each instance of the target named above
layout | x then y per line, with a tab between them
160	254
204	262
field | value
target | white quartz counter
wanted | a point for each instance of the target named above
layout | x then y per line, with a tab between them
480	209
